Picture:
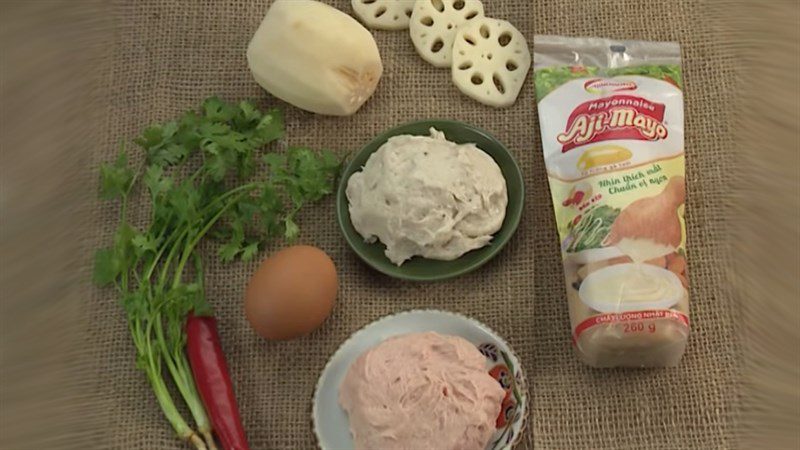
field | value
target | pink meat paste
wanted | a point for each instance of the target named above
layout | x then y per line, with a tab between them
421	391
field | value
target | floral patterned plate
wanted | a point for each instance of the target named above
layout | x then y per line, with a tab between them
330	421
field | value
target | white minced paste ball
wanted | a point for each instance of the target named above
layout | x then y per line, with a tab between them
427	196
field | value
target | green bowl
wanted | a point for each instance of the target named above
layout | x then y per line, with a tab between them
418	268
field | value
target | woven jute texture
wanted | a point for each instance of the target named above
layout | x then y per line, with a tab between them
168	55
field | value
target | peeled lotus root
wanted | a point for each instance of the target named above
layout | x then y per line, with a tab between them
653	218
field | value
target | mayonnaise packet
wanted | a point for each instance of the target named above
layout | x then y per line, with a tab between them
611	117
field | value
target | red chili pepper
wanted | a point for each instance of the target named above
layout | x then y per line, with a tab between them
578	197
213	381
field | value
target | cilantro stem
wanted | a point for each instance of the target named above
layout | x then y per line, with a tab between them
198	265
229	194
196	174
157	257
185	232
191	245
174	251
153	371
203	423
123	212
181	374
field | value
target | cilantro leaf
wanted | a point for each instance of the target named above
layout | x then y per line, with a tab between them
151	137
270	209
247	208
160	144
217	110
186	201
306	176
292	230
229	251
275	163
218	164
249	251
115	179
111	262
135	305
144	243
123	242
155	181
106	267
248	114
270	128
209	129
201	308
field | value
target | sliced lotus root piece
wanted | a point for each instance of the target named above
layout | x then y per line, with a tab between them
384	14
434	24
491	60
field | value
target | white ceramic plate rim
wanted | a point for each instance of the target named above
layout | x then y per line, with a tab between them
348	347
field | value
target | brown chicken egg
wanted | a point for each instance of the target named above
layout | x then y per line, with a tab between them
291	293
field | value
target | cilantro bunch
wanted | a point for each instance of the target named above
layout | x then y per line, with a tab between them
198	174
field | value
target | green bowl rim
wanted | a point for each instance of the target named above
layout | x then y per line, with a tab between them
515	216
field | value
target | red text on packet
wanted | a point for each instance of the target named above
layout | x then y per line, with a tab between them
616	117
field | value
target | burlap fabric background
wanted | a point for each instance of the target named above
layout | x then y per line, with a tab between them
168	55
